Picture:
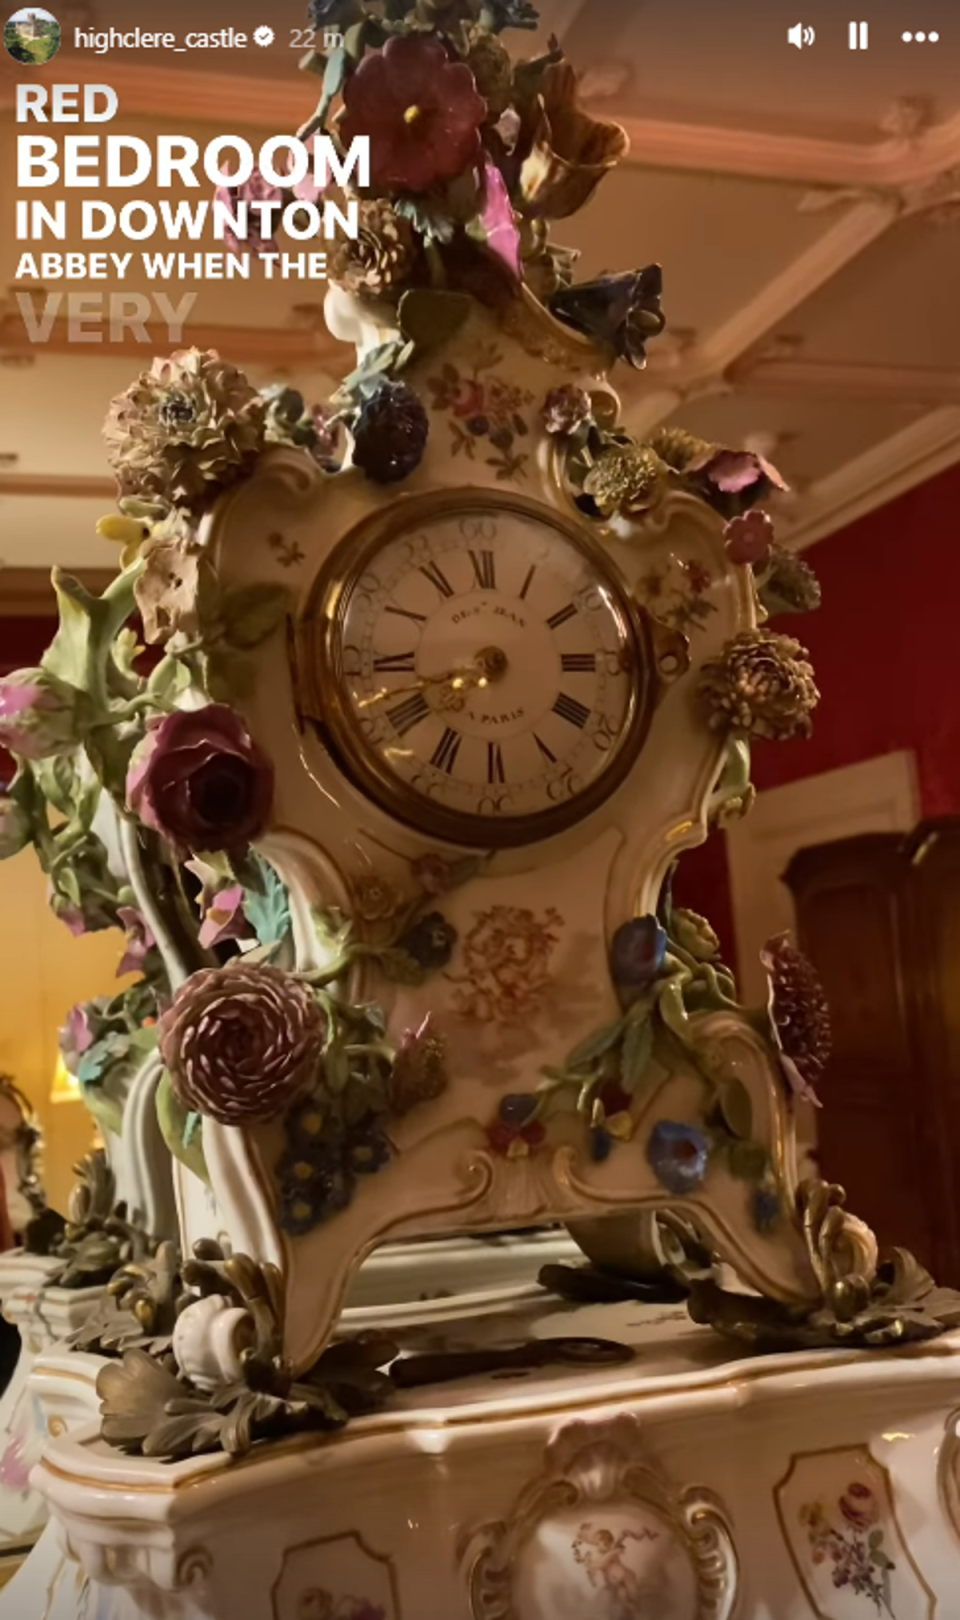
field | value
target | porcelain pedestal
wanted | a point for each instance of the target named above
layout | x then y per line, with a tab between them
694	1483
43	1315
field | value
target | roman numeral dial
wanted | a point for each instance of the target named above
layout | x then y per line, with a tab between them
489	689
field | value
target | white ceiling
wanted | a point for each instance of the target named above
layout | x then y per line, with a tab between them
805	206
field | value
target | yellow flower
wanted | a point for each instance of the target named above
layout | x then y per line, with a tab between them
127	532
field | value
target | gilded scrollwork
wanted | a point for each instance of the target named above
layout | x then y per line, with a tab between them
603	1521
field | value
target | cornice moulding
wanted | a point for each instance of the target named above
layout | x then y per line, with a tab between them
918	453
889	164
828	379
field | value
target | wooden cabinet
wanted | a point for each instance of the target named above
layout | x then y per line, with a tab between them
880	917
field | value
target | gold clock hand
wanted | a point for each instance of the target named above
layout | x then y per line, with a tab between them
486	667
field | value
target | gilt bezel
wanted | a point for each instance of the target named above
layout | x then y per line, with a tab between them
323	681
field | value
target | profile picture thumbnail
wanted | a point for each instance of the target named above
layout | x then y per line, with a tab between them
32	36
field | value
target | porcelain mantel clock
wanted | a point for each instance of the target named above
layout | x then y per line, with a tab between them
486	721
449	676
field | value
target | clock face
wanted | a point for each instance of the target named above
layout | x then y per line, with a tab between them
488	675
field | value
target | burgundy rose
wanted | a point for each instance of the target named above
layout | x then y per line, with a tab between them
420	111
200	780
241	1042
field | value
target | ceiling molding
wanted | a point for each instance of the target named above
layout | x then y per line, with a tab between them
887	165
798	378
883	472
27	593
63	485
705	366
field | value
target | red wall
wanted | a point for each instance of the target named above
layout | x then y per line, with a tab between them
886	649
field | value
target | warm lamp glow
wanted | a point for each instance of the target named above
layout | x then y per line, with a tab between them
65	1087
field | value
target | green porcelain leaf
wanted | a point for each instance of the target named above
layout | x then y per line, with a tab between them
430	318
179	1129
251	613
595	1046
106	1110
636	1052
748	1161
736	1108
266	903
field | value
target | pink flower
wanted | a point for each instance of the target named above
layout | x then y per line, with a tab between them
497	220
140	940
15	1469
199	778
261	226
420	111
76	1036
223	918
307	190
859	1506
38	714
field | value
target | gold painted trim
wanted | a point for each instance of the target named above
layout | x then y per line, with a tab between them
325	1541
863	1448
318	672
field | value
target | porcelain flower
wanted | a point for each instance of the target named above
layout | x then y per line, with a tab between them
261	223
15	829
571	152
200	780
241	1042
188	426
38	714
420	111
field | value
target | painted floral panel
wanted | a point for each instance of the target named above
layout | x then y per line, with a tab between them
338	1578
677	591
487	414
837	1513
614	1563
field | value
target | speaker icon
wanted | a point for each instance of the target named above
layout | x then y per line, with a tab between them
800	34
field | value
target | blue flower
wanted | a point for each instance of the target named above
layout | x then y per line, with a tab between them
637	952
601	1144
310	1128
518	1108
366	1150
621	311
678	1154
304	1205
430	941
766	1208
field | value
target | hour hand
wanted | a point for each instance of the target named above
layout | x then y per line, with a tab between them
450	689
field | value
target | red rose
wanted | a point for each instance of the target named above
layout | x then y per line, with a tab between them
420	111
200	780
